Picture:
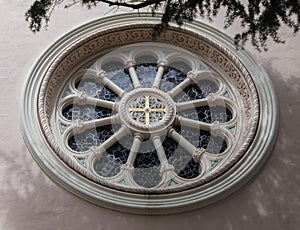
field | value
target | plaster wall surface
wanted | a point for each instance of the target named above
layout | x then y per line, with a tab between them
29	200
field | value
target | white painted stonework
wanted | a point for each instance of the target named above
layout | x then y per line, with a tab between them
214	75
29	200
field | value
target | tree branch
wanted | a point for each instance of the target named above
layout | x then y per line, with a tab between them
259	19
132	5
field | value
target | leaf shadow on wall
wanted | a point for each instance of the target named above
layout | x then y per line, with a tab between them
271	200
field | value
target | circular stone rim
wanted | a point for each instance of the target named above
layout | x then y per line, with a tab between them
148	129
176	202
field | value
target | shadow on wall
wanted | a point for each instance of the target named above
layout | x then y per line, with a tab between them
30	200
272	199
26	193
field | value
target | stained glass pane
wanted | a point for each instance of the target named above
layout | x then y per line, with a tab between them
116	73
92	137
85	112
208	114
67	92
207	87
112	66
197	91
191	170
110	163
147	166
93	89
216	145
182	161
171	78
63	127
146	59
147	177
146	74
201	138
180	67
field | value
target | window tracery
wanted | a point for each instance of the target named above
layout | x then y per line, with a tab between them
155	124
148	127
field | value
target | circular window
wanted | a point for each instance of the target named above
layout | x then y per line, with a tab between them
148	126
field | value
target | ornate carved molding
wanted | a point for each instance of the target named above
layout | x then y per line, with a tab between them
51	75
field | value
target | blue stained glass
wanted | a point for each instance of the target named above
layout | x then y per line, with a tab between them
93	89
197	91
62	127
147	166
208	114
171	78
146	74
213	163
182	161
92	137
201	138
110	163
116	73
81	160
85	112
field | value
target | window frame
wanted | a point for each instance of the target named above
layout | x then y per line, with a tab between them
210	192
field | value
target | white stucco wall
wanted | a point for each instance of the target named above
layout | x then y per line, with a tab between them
29	200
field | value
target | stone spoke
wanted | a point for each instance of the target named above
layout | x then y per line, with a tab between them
191	104
102	103
180	87
182	121
214	128
80	126
159	149
211	100
196	153
162	67
165	166
134	150
184	143
100	150
83	99
192	78
130	67
102	79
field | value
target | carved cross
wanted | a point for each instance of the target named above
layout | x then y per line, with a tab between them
147	110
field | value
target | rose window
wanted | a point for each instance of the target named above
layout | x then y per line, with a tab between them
148	126
148	117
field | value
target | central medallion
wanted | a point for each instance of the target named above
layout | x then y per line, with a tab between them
147	110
